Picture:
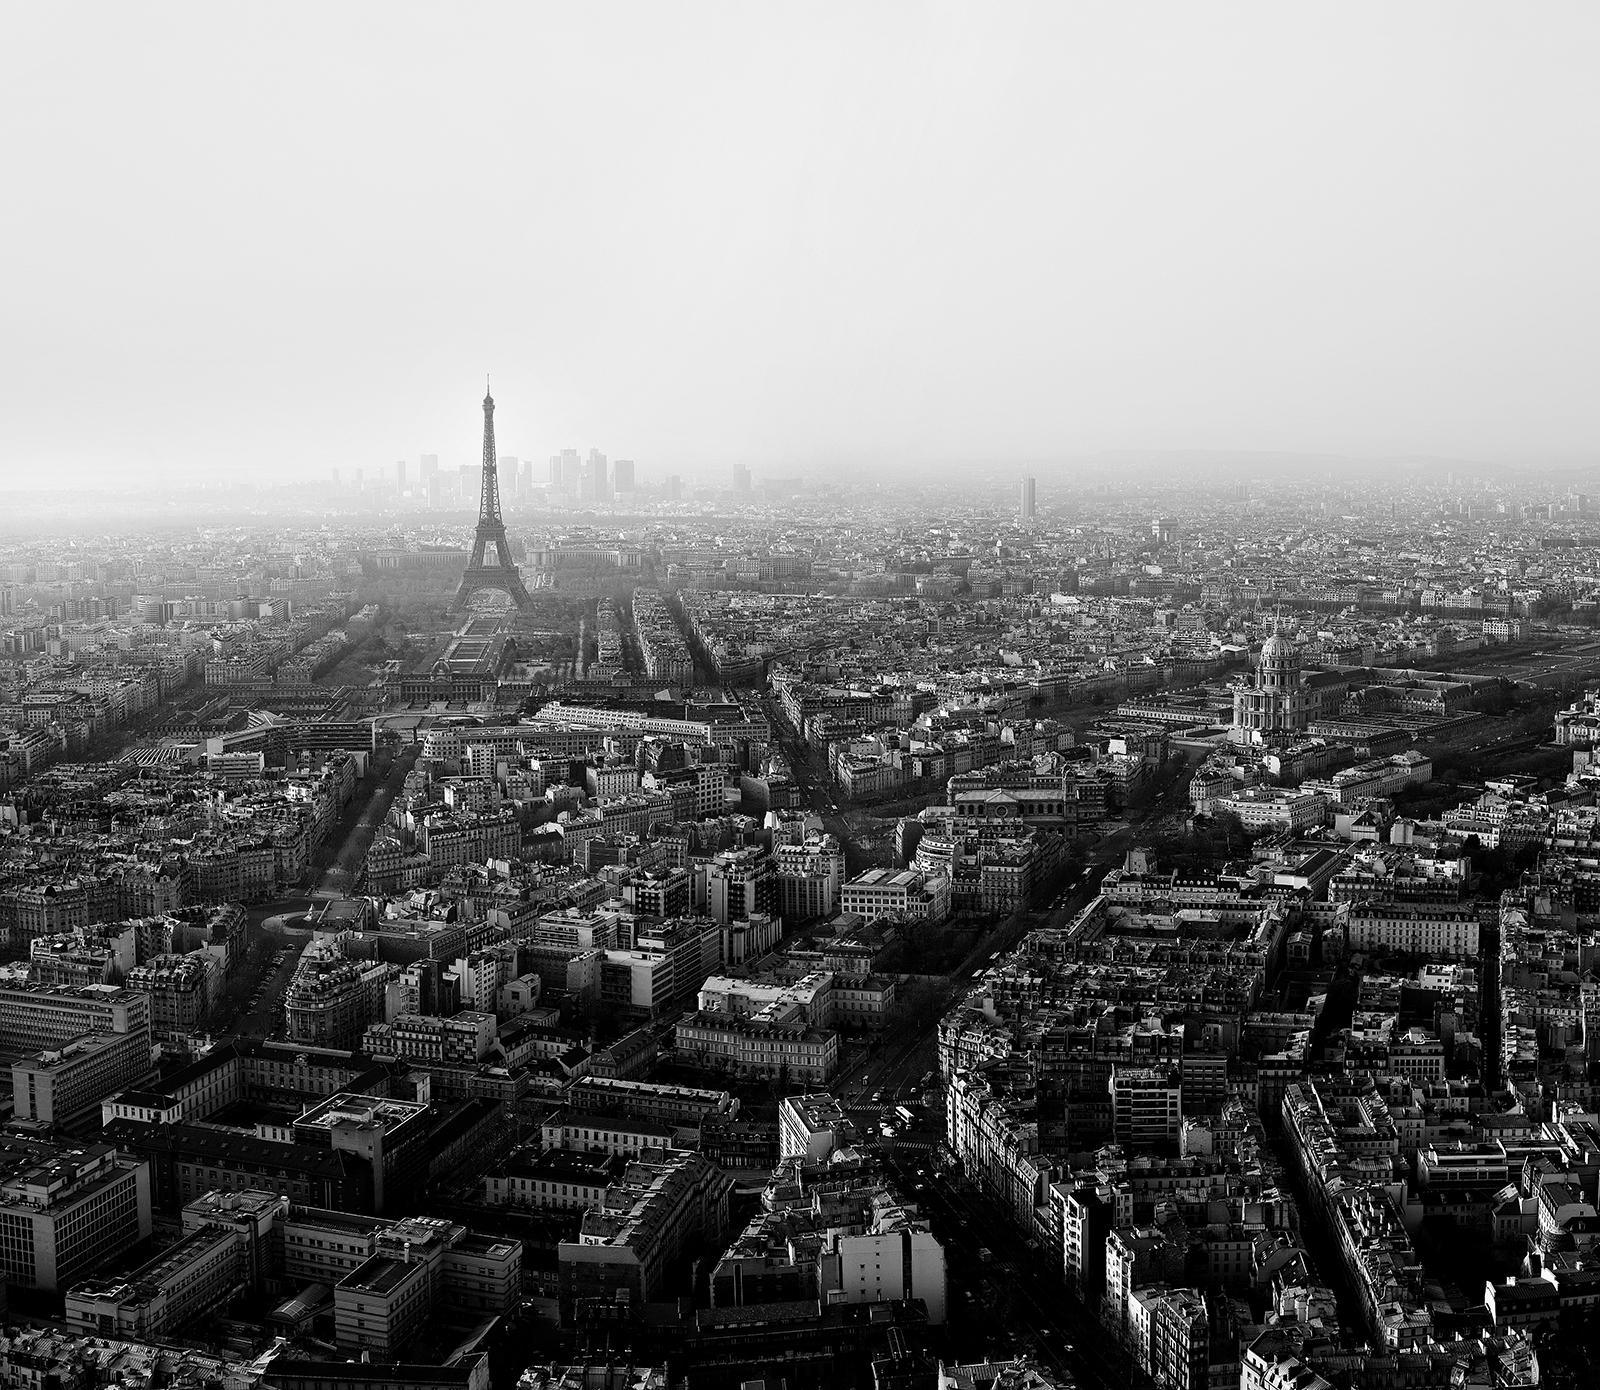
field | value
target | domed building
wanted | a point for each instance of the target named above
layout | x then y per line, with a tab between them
1277	705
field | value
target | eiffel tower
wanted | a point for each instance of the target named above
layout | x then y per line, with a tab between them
503	577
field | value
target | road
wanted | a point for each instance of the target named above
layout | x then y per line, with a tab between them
1001	1286
264	1013
360	824
821	796
1489	995
896	1065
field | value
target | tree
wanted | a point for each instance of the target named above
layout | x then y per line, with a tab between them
1235	838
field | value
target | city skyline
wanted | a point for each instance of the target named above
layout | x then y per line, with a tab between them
982	875
979	771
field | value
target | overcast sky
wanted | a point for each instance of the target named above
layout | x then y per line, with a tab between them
810	237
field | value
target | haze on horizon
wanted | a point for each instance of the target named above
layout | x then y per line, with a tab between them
275	240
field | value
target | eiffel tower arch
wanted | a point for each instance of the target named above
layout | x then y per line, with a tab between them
503	576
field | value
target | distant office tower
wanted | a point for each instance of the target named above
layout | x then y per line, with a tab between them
511	475
741	478
400	475
674	487
336	477
428	468
571	472
553	482
1027	503
527	479
622	475
595	488
358	480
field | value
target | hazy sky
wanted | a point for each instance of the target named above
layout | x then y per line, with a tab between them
806	236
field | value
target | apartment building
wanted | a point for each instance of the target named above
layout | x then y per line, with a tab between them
64	1211
66	1086
182	989
812	1126
258	1069
809	875
356	1152
808	999
461	1039
1262	809
650	1100
830	1230
754	1047
864	1003
1146	1107
892	1257
388	1278
1345	1142
32	1017
740	882
624	1135
331	1000
1432	930
202	1272
628	1242
885	893
552	1179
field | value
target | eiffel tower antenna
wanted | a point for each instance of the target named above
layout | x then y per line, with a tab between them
504	576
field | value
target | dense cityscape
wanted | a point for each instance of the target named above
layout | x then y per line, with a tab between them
568	927
884	696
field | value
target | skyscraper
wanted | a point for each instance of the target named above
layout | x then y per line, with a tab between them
1027	504
595	488
622	475
428	468
400	475
511	475
571	472
741	477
